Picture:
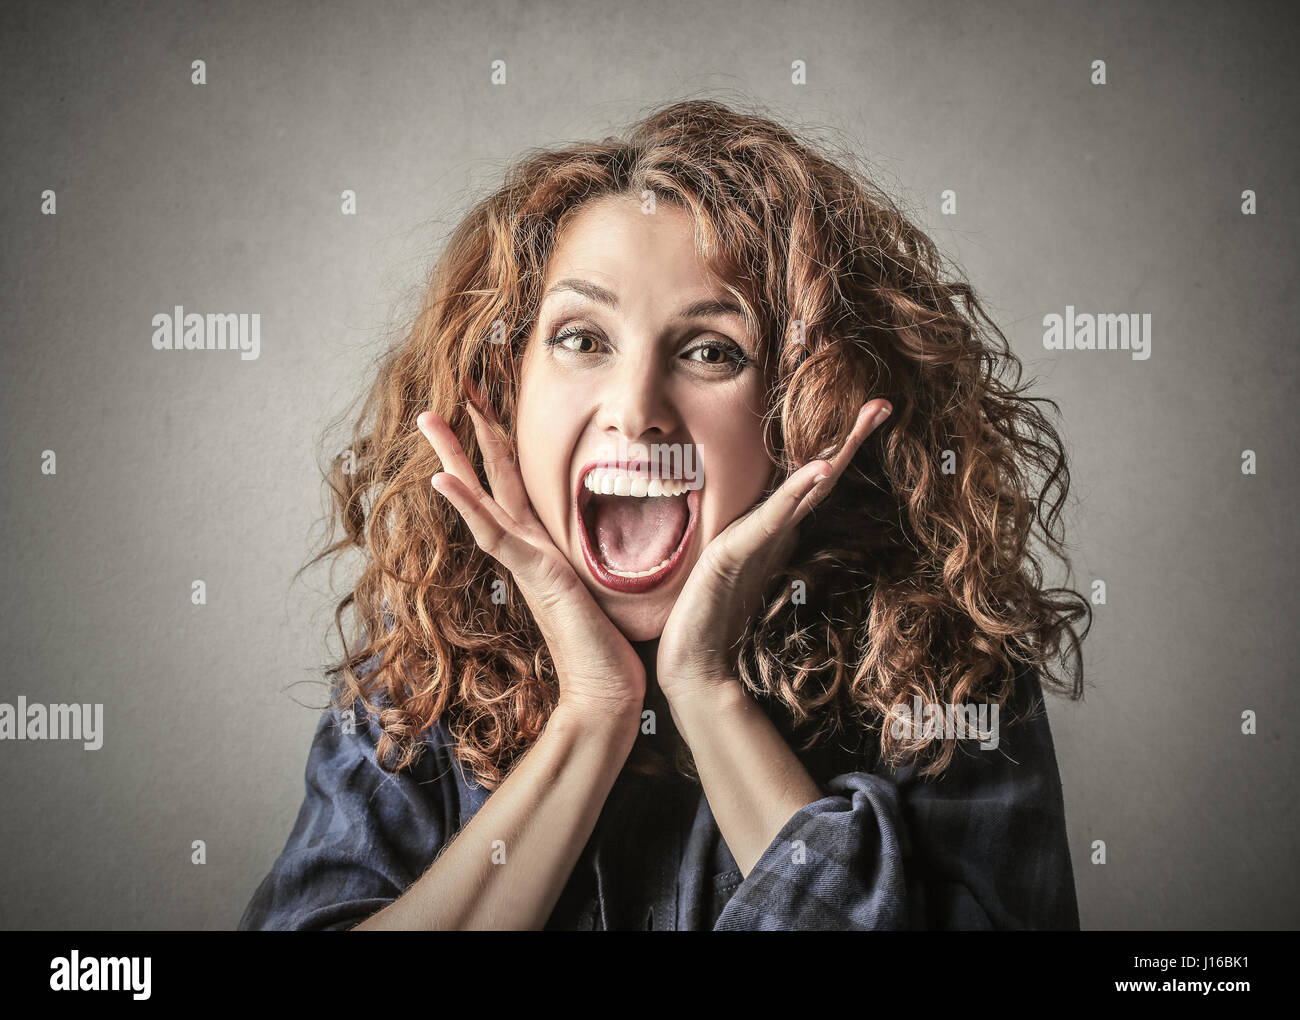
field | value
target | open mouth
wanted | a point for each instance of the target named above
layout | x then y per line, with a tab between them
635	528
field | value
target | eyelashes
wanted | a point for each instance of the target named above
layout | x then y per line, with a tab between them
736	359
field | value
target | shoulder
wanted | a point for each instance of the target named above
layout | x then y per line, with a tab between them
350	733
1006	728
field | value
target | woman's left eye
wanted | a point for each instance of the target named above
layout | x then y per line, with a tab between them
724	353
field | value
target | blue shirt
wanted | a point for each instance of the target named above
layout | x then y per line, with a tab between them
982	847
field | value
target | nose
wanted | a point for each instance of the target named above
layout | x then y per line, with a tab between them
634	400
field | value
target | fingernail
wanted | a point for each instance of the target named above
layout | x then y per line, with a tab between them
882	414
819	479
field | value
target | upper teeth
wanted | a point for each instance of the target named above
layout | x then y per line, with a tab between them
617	483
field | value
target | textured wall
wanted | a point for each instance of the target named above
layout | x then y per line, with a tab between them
1123	197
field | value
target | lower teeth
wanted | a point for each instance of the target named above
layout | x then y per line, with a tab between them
639	573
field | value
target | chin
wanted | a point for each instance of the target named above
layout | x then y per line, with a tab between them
639	623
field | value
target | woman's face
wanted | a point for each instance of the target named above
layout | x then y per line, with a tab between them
643	378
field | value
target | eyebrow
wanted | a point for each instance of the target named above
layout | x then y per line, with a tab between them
706	308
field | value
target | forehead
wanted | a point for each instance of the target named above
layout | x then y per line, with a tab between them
616	238
612	252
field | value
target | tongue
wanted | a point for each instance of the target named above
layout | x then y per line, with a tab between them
635	534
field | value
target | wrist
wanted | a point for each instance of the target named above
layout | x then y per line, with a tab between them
698	704
612	723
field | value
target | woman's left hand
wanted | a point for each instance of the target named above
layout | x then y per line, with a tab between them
697	649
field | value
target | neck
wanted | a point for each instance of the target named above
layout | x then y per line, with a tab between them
649	651
664	737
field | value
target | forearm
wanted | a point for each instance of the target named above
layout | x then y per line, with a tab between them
507	867
753	781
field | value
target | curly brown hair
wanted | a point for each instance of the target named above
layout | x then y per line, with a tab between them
918	574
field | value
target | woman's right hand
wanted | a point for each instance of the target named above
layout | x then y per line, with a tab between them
600	674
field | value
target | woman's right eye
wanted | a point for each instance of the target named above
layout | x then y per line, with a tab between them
564	335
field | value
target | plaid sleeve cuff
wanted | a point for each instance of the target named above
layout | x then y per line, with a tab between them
837	864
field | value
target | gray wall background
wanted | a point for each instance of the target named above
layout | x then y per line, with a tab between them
181	465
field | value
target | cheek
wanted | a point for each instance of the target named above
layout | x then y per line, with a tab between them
545	435
547	398
540	468
739	484
736	469
530	412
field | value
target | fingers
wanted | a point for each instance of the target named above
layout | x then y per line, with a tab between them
499	462
807	486
480	513
872	415
460	485
447	447
793	500
545	580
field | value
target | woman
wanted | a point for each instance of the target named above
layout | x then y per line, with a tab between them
691	497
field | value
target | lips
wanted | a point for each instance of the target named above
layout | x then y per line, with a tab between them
610	580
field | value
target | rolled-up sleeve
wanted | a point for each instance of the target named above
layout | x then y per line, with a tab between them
361	838
984	846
